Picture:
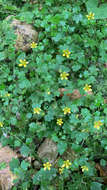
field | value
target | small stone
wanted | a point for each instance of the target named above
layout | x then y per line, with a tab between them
26	33
48	150
37	165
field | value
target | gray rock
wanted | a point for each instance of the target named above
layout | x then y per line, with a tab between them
48	149
25	33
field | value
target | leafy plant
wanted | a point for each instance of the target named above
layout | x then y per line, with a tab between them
70	55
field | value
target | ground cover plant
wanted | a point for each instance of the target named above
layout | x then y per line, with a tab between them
56	90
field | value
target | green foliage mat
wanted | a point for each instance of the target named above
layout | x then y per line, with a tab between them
56	90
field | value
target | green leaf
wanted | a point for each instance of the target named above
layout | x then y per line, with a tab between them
14	163
54	137
26	16
77	18
2	165
33	127
98	100
50	115
4	140
29	115
55	19
105	111
17	143
58	37
103	162
62	146
44	175
13	120
2	56
24	84
76	67
24	165
25	150
96	185
28	140
59	59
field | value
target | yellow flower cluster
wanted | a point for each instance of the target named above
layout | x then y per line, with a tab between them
66	53
36	110
66	110
33	45
64	76
87	88
59	121
98	124
84	168
90	16
1	124
23	63
66	165
47	166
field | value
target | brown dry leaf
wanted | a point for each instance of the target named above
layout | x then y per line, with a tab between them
89	93
105	65
74	95
103	172
62	90
105	100
6	176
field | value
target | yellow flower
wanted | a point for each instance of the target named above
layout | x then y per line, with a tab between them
64	76
48	91
7	95
33	45
90	16
66	53
61	170
84	168
97	124
23	63
36	110
66	164
66	110
1	124
47	165
87	88
59	121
